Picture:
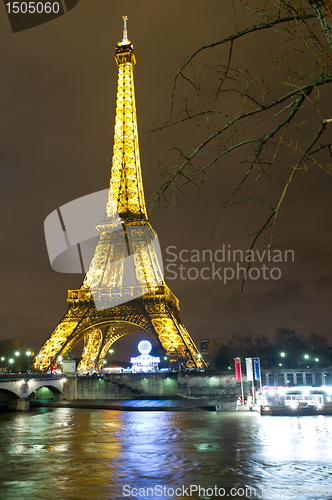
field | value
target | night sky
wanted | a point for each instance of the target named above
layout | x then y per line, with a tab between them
58	89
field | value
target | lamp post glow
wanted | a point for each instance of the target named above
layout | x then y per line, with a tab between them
11	361
17	356
2	360
111	352
282	354
28	354
306	357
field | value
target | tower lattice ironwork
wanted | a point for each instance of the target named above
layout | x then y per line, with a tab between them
149	306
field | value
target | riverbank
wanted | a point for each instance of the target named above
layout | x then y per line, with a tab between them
140	404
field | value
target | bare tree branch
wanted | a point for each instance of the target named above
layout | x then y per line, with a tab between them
261	116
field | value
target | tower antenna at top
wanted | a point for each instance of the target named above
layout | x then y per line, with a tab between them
125	34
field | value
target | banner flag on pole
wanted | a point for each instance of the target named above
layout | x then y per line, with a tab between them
250	375
257	371
238	369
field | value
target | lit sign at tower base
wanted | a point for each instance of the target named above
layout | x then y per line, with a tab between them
144	363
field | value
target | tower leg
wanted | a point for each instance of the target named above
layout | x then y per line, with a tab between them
60	338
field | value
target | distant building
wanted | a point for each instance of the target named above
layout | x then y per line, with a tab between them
204	346
282	377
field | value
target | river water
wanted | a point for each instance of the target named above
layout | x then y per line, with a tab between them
78	454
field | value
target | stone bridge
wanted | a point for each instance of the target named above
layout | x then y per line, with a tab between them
18	388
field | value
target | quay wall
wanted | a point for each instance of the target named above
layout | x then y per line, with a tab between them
221	385
212	384
122	386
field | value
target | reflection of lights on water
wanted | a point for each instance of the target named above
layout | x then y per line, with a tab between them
20	449
203	446
143	451
287	438
60	447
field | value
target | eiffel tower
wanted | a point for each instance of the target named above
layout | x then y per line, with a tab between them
149	305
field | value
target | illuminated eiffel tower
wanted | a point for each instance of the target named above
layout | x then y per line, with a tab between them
149	306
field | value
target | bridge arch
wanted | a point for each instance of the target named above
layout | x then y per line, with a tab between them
55	390
17	387
9	394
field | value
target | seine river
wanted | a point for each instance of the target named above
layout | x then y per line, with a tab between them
77	454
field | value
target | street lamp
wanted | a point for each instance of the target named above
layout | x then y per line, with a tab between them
282	354
316	359
28	354
17	355
11	361
2	360
306	356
